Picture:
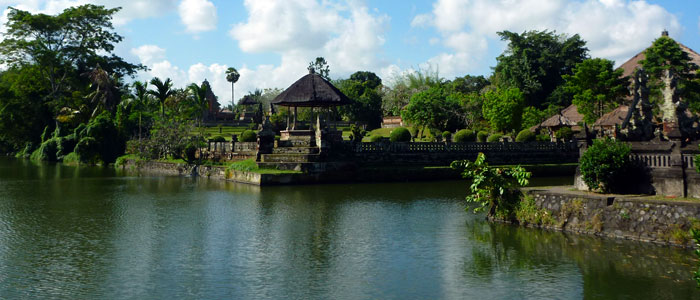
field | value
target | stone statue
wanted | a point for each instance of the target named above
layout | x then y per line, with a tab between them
638	125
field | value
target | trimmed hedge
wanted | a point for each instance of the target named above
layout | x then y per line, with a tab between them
464	135
447	136
482	136
248	136
219	139
400	134
605	165
525	135
494	138
376	138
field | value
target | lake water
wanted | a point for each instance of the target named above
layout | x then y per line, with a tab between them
92	233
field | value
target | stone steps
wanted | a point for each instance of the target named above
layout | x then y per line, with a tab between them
295	150
290	158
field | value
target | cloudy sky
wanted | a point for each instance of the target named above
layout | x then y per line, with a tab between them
271	42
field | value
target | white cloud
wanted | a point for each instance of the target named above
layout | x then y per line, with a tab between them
149	54
614	29
131	9
198	15
347	35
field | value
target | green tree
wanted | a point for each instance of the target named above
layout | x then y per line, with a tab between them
403	87
496	189
468	84
163	90
597	87
320	66
665	54
364	89
535	61
432	109
503	108
63	46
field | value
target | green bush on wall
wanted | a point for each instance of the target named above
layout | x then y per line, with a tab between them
464	136
525	135
219	138
482	136
605	164
494	138
248	136
400	134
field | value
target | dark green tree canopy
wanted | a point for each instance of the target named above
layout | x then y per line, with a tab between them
364	88
320	66
69	43
535	61
597	87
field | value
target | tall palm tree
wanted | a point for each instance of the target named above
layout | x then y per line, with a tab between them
199	99
163	90
232	76
140	97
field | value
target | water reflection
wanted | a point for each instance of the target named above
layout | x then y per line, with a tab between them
68	232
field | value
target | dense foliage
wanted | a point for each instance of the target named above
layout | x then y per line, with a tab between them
400	134
503	108
364	89
564	133
605	164
495	189
535	62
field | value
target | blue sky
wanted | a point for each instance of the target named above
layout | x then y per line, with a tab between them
272	41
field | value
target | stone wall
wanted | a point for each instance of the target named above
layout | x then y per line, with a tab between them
634	218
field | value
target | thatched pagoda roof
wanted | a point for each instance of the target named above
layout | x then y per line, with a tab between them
567	117
633	63
248	100
312	90
615	117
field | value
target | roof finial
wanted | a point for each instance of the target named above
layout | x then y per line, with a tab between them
664	33
311	70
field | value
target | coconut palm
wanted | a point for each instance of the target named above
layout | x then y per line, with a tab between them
199	99
140	99
232	76
107	93
163	90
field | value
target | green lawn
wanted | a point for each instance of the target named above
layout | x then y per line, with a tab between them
225	131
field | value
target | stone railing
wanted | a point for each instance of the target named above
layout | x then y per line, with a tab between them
445	153
418	147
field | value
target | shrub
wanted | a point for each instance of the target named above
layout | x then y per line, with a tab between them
47	151
189	152
464	135
494	188
357	133
494	138
482	136
400	134
603	165
564	133
219	138
248	136
447	136
525	135
376	138
543	138
71	159
87	149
